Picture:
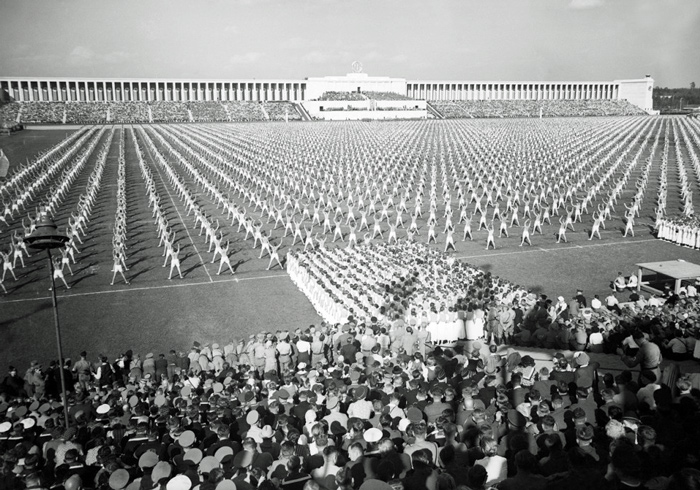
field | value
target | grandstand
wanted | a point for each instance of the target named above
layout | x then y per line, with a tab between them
178	101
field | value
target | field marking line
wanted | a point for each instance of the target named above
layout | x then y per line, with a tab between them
540	249
145	288
177	210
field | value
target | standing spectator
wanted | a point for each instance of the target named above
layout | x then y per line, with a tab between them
83	369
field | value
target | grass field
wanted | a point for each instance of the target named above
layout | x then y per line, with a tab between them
154	314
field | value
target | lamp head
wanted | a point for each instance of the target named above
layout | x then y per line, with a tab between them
46	236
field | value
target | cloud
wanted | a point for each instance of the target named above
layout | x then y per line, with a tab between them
245	58
115	57
585	4
231	29
316	57
399	58
80	56
298	42
85	56
372	56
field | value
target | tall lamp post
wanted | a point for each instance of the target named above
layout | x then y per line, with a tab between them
47	237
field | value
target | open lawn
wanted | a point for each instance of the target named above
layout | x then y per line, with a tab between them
155	314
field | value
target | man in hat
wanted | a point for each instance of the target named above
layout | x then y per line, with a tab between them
586	372
513	425
434	409
648	356
335	415
360	408
284	351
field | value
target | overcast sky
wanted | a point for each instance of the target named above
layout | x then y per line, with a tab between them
413	39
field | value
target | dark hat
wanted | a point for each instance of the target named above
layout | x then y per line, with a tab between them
585	433
579	413
414	414
360	392
516	419
243	459
337	429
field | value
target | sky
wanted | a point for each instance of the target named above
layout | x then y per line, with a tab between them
469	40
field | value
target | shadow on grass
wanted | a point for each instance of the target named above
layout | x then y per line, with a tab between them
45	305
143	271
79	280
186	272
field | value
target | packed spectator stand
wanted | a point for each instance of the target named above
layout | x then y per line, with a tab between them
214	111
128	112
49	112
162	111
342	96
81	113
208	111
245	111
385	95
8	113
356	405
460	109
281	111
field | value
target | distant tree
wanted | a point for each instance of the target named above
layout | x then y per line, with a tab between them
692	85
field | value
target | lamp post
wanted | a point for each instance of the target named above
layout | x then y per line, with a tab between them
46	237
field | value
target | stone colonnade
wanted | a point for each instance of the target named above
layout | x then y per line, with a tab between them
513	90
82	90
48	90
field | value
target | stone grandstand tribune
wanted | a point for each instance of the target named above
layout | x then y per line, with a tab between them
208	111
38	112
386	95
280	111
341	96
245	111
242	111
162	111
81	113
459	109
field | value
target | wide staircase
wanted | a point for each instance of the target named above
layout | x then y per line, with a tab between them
302	111
432	110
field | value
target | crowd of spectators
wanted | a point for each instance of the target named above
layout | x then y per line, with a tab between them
534	108
356	405
210	111
281	111
386	95
82	113
8	113
342	96
128	112
169	111
245	111
42	112
213	111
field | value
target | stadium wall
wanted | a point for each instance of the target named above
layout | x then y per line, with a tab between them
28	89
